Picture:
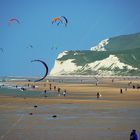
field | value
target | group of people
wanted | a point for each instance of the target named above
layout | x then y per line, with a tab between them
59	91
133	86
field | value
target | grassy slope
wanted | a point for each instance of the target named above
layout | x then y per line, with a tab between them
124	42
131	57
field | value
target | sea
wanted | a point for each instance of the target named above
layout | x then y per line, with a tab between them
7	88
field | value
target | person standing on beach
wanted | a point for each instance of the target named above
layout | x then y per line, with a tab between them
64	93
112	80
121	90
133	135
129	83
97	82
45	93
133	87
98	95
58	91
54	87
50	86
126	89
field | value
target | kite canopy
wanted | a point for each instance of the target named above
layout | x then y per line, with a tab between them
46	67
59	20
12	20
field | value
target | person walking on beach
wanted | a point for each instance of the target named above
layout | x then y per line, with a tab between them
133	135
58	91
98	95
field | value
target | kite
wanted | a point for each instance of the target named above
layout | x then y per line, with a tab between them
46	67
30	46
13	20
59	20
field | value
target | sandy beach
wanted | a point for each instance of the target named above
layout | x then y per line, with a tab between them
79	115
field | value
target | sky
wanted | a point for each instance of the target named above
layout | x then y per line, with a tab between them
89	22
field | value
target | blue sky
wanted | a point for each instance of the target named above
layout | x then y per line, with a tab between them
90	21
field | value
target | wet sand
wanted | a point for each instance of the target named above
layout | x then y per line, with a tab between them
79	115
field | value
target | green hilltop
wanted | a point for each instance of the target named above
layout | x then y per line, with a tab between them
125	47
124	42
